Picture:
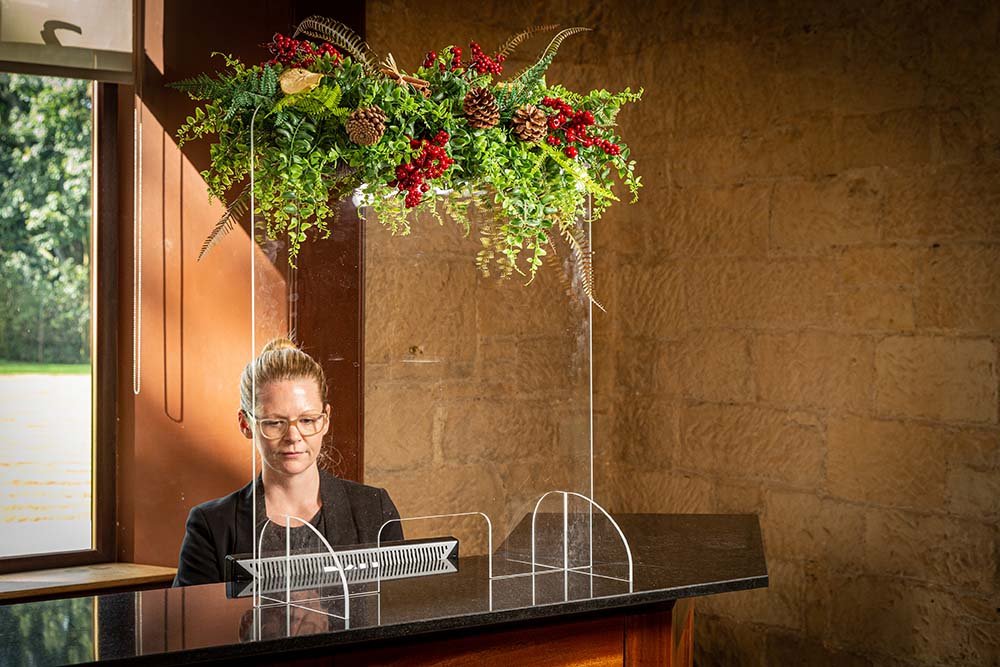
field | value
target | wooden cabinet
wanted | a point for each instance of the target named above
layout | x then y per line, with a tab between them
657	636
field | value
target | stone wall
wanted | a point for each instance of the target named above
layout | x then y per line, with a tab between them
804	308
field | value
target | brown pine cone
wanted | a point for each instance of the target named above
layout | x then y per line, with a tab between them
530	123
366	126
481	108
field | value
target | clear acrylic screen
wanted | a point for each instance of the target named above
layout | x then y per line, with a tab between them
477	388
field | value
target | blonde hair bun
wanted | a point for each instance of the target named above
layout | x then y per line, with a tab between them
276	344
281	359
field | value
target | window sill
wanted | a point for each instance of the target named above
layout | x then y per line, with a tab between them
73	581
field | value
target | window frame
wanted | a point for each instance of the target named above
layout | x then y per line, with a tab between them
104	246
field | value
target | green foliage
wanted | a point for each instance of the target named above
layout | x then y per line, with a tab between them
237	92
304	160
45	211
600	192
293	192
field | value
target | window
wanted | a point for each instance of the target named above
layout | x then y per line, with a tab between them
60	63
80	38
46	344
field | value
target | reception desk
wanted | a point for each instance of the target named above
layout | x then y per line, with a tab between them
550	618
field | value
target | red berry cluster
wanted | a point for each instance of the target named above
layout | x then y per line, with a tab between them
572	126
298	52
483	64
456	60
431	163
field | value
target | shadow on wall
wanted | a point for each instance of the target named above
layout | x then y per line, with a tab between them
179	444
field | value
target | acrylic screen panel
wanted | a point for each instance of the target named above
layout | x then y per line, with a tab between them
477	393
272	292
296	301
477	389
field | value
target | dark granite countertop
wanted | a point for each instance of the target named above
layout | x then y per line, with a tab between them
674	556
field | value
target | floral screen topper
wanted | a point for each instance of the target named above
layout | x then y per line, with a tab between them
328	117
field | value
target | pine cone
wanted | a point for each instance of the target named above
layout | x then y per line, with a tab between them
481	108
530	123
366	126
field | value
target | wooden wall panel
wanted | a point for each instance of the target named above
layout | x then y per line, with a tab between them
178	441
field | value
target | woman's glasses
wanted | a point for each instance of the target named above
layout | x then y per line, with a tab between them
307	425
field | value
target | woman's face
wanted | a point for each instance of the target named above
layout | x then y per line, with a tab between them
293	401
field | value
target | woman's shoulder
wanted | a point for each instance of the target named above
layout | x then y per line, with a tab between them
220	507
354	490
359	511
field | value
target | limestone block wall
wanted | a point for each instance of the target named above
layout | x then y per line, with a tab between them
803	309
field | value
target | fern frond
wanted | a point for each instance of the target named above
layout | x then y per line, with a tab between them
535	72
240	101
201	87
527	83
585	261
338	34
226	223
578	172
564	280
267	83
320	102
512	42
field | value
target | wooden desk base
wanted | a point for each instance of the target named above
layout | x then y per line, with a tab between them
654	637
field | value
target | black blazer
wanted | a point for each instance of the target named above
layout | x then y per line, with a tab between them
352	514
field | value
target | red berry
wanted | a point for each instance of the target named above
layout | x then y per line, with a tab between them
570	151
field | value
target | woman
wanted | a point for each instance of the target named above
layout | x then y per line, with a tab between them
287	424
